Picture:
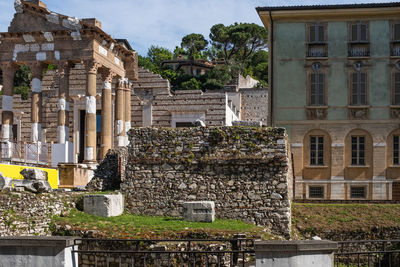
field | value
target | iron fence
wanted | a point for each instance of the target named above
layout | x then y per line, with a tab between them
25	152
371	253
193	252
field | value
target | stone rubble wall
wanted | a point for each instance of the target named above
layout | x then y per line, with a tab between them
28	214
245	171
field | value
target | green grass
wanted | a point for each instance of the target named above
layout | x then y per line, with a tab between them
324	218
135	226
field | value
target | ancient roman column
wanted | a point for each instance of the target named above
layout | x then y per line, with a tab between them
63	104
36	100
8	70
90	129
128	111
106	112
120	112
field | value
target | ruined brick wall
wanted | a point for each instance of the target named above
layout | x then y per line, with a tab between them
254	104
153	88
244	170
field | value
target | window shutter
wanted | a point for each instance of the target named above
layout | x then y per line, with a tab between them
396	88
312	89
321	33
311	34
321	95
396	32
363	32
363	88
353	34
354	88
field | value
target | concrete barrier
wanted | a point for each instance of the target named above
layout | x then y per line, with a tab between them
313	253
38	251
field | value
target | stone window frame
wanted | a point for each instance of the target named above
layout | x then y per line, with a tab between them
321	171
316	111
323	43
358	111
358	171
394	42
393	170
358	42
395	71
359	158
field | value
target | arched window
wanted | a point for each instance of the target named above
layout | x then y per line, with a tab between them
317	155
393	155
358	155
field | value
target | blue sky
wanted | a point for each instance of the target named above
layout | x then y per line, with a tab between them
161	22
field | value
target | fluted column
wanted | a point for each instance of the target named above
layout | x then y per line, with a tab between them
8	70
90	129
120	112
106	113
36	101
63	104
127	111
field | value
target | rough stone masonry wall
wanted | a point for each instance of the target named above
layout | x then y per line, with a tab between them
28	214
244	170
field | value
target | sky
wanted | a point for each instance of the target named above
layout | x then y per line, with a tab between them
162	22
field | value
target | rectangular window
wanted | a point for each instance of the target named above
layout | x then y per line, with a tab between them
359	88
359	33
357	192
317	94
316	192
396	88
396	32
316	34
316	150
396	150
358	150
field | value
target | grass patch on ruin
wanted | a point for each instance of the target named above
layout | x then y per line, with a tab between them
315	219
155	227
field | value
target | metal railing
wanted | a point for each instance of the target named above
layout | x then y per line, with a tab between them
317	50
193	252
359	50
25	152
385	253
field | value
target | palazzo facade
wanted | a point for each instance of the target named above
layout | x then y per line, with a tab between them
335	86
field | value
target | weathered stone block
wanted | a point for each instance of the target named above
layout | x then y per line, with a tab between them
4	182
34	174
199	211
247	123
104	205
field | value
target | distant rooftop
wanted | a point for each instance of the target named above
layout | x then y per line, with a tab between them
338	6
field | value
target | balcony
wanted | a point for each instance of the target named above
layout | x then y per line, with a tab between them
359	50
317	50
395	51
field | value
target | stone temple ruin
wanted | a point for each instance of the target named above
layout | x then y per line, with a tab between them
85	106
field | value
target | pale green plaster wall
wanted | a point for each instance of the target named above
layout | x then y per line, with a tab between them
337	38
290	74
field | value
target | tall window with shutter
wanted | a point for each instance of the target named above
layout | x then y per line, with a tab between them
316	40
395	46
358	39
396	149
317	88
358	88
396	89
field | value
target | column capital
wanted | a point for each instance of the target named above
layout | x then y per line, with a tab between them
92	66
107	75
36	69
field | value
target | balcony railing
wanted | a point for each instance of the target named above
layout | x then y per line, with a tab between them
317	50
359	50
395	50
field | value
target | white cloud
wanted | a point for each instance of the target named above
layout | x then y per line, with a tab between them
161	22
